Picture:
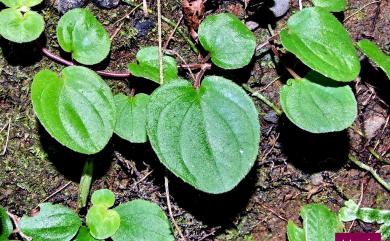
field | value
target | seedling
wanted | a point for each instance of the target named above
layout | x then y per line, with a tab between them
19	23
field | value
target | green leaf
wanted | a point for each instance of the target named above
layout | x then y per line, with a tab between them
229	41
295	233
385	231
351	211
6	227
318	104
131	117
103	197
20	3
21	27
52	223
142	220
320	223
207	137
331	5
81	34
320	41
373	52
148	65
84	235
77	108
102	222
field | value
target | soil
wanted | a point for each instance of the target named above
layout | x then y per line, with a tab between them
293	168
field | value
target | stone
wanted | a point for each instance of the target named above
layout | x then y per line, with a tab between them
65	5
316	179
280	7
373	124
106	3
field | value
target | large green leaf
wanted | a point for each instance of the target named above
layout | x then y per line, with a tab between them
320	41
318	104
131	117
20	3
53	223
6	227
375	54
21	27
229	41
81	34
331	5
208	137
295	233
84	235
319	224
148	65
142	220
77	108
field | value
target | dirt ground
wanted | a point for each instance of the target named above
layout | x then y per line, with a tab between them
293	168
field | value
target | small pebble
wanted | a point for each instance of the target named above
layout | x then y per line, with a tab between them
252	25
144	26
373	124
106	3
280	8
65	5
316	179
271	117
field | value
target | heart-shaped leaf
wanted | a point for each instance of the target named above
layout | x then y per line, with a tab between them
373	52
208	137
131	117
20	3
53	223
320	41
77	108
318	104
142	220
103	197
81	34
6	227
148	65
20	27
84	235
331	5
102	222
319	224
229	41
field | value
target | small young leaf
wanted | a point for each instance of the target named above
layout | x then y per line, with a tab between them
295	233
142	220
385	231
84	235
103	197
229	41
320	223
318	104
102	222
81	34
207	137
77	108
373	52
331	5
148	65
6	227
131	117
320	41
53	223
20	3
20	27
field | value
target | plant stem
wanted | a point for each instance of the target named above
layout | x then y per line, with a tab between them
63	61
85	182
371	170
172	24
264	99
160	52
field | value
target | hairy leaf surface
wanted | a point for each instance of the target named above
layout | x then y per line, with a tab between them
76	108
131	117
84	235
318	104
372	51
142	220
331	5
53	223
20	27
148	65
207	137
6	227
295	233
229	41
20	3
82	35
320	41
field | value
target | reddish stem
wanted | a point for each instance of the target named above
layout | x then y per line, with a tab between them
103	73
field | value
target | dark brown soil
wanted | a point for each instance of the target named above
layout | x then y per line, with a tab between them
294	167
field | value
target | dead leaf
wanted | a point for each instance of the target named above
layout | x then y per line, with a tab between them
193	13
